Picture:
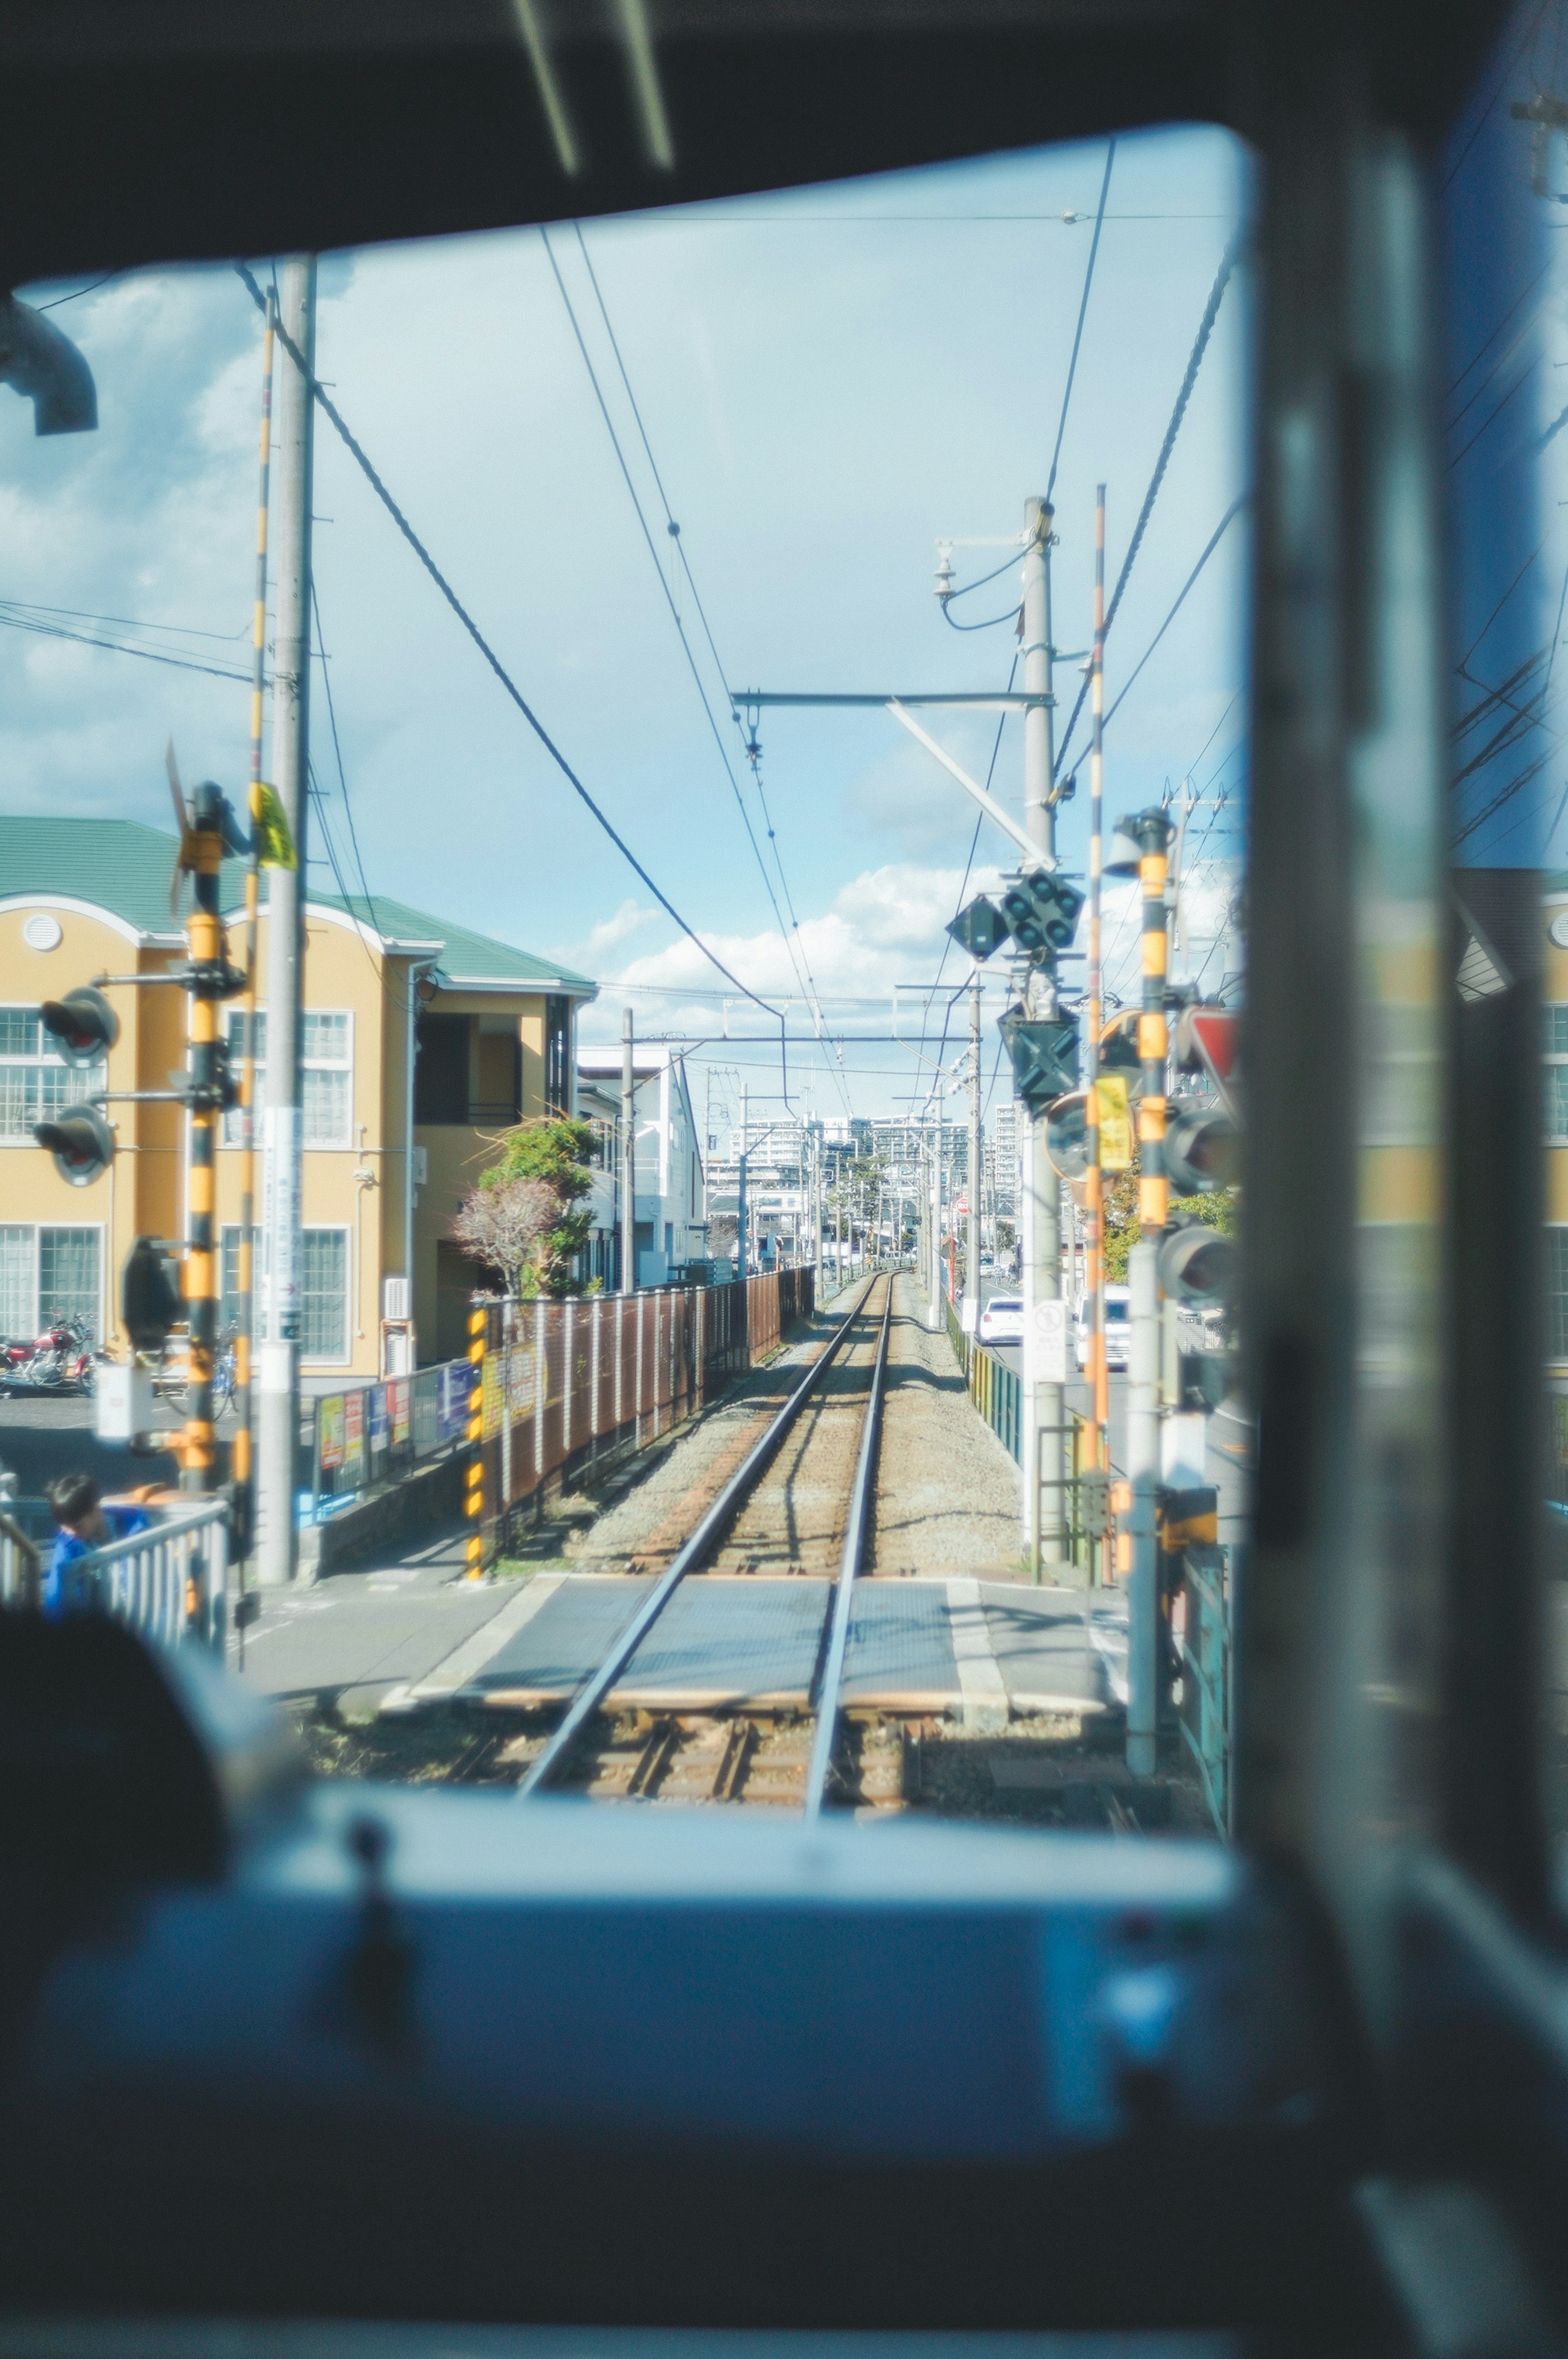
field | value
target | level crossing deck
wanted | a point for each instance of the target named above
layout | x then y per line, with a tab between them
978	1650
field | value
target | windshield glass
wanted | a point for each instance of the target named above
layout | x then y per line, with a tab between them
657	1033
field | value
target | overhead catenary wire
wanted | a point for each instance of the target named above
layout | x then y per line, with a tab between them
338	751
1215	538
341	427
1195	362
793	944
1082	309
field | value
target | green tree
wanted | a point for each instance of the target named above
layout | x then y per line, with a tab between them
552	1152
1122	1228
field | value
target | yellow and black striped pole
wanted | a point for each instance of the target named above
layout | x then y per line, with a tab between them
202	854
244	1276
473	1501
1154	832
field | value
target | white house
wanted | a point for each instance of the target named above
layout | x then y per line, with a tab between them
671	1211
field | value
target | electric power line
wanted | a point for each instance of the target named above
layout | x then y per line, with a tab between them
1195	361
362	460
1083	307
796	947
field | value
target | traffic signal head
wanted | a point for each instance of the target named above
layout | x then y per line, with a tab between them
1199	1265
1202	1150
1139	832
980	929
149	1305
81	1141
1042	913
83	1026
1044	1057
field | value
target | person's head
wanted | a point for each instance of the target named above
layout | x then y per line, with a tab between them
73	1502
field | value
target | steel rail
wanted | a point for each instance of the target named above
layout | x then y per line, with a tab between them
849	1567
596	1686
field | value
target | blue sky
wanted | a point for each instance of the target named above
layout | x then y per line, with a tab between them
829	381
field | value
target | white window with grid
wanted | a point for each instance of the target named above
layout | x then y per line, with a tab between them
36	1083
50	1271
327	1077
324	1294
1554	1053
1557	1293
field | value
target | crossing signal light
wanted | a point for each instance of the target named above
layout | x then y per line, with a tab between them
81	1141
1202	1149
1139	832
980	929
1042	913
1044	1057
83	1026
1199	1265
149	1304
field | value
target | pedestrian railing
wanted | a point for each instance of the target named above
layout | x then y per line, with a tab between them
1203	1653
169	1583
21	1550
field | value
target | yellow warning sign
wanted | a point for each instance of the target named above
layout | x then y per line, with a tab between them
1115	1123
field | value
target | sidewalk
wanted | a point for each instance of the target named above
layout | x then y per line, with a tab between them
350	1642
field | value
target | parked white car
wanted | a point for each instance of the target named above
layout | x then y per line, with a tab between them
1001	1318
1118	1332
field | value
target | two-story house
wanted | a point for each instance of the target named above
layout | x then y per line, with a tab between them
422	1041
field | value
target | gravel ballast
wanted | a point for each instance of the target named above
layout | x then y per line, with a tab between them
947	1492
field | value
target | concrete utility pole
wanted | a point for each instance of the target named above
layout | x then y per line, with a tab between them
1143	1469
1040	1241
628	1157
972	1271
742	1260
277	1426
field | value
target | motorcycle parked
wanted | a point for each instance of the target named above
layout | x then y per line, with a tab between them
59	1359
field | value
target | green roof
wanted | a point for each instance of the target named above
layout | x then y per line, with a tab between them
123	868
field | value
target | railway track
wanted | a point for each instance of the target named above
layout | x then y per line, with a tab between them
800	1501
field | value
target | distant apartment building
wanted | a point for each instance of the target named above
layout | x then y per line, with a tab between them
671	1211
422	1043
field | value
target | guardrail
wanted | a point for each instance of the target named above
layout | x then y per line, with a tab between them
1203	1652
998	1394
170	1582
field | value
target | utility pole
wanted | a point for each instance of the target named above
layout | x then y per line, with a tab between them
628	1158
243	1459
972	1271
1153	831
278	1358
742	1220
1041	1224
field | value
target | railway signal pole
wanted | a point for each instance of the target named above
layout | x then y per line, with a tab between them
1040	1242
277	1360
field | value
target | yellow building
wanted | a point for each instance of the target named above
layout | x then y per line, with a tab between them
398	1118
